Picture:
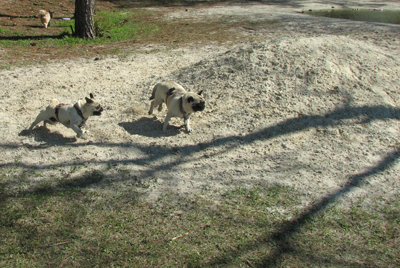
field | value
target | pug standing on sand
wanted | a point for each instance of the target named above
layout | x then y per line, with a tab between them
71	116
180	103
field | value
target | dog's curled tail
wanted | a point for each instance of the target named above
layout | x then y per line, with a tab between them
153	94
170	91
54	102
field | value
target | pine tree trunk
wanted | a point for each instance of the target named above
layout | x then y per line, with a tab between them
84	19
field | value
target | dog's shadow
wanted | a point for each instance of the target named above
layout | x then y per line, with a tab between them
43	134
149	127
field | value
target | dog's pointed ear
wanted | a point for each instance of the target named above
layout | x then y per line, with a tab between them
88	100
199	93
91	96
170	91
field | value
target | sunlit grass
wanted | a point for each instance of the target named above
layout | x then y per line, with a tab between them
110	27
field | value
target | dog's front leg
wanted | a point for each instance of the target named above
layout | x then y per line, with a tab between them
187	123
78	131
167	118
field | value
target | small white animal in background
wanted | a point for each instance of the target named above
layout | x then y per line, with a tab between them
45	17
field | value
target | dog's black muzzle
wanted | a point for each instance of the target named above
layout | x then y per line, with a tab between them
98	112
198	107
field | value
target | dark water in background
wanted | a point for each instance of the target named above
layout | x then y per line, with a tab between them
372	15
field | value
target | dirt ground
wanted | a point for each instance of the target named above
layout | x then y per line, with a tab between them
315	106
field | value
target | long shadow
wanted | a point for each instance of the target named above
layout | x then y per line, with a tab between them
155	152
365	114
35	37
18	17
192	3
290	228
281	238
86	180
188	3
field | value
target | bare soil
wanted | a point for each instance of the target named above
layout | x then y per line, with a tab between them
314	105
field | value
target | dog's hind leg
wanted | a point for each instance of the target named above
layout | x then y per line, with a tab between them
151	107
155	103
41	117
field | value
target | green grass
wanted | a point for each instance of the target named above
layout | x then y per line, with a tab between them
118	26
110	27
62	224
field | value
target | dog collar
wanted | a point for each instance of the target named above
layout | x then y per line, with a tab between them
185	114
80	113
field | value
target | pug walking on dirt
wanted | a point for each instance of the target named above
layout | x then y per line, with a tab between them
71	116
180	103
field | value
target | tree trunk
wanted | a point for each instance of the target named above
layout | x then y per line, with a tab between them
84	19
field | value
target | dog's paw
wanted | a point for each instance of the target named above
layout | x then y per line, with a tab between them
82	136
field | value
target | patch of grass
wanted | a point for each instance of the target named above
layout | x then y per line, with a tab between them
42	228
4	31
258	227
122	26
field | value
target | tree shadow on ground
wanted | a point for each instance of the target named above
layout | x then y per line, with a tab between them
35	37
281	238
151	127
365	114
192	3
